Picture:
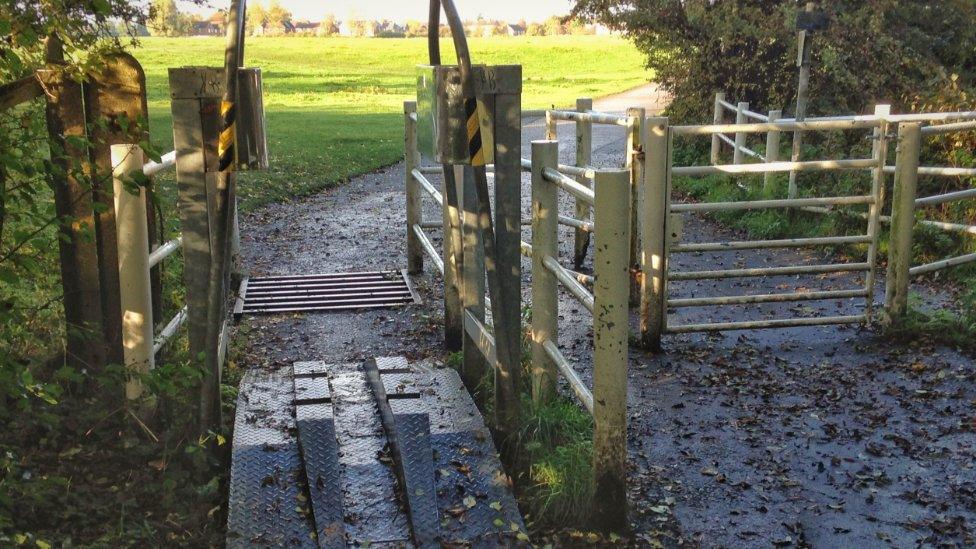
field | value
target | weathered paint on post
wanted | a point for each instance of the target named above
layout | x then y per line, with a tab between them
740	137
772	150
717	117
415	254
655	212
507	306
584	156
551	132
879	153
473	364
453	257
635	164
133	268
610	327
545	314
902	219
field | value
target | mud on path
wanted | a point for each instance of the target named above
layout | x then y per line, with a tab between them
826	436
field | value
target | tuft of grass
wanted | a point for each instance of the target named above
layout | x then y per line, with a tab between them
956	329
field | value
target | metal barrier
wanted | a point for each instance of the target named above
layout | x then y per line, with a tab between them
660	240
139	344
610	199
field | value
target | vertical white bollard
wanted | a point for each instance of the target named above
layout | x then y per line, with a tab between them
655	216
545	301
134	281
772	150
584	157
415	254
902	220
880	154
610	330
740	137
717	119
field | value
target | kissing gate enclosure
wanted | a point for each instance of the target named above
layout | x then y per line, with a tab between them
637	225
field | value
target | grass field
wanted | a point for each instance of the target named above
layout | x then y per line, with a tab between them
334	105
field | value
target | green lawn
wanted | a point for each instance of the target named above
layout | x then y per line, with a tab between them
334	105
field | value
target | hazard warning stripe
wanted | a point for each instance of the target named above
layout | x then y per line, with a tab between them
225	143
475	147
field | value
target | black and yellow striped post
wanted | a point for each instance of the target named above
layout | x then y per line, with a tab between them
226	143
476	149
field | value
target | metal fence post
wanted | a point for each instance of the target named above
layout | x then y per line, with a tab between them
473	364
610	327
880	154
772	150
134	281
654	218
740	137
584	157
717	119
545	301
635	164
415	254
902	220
551	132
453	257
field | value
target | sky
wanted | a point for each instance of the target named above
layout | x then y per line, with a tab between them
402	10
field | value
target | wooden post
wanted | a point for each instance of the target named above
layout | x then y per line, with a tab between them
803	63
880	154
655	212
545	301
902	220
635	165
717	117
584	156
133	270
85	338
196	95
740	137
415	214
507	313
115	105
473	365
453	258
610	327
772	150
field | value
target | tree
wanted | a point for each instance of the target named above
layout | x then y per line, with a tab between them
165	18
415	29
257	18
329	26
278	18
535	29
554	26
873	51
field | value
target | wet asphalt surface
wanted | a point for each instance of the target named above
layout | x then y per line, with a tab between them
823	436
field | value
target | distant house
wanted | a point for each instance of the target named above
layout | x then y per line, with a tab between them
306	27
275	29
516	30
359	27
212	26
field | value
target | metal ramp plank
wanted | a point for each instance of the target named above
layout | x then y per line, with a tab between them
267	477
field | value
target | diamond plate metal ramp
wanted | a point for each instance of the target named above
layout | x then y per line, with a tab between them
320	451
267	479
474	499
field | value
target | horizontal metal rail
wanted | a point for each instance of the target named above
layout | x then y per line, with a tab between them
781	125
951	227
942	264
765	298
745	150
771	167
164	251
428	247
947	197
568	279
747	112
761	244
427	186
584	226
770	271
594	117
759	324
778	203
167	333
588	173
482	338
525	248
949	128
940	171
893	118
569	185
727	105
166	162
566	369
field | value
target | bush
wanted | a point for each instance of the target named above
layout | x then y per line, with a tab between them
916	55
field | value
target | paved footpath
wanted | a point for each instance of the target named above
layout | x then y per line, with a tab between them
821	436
